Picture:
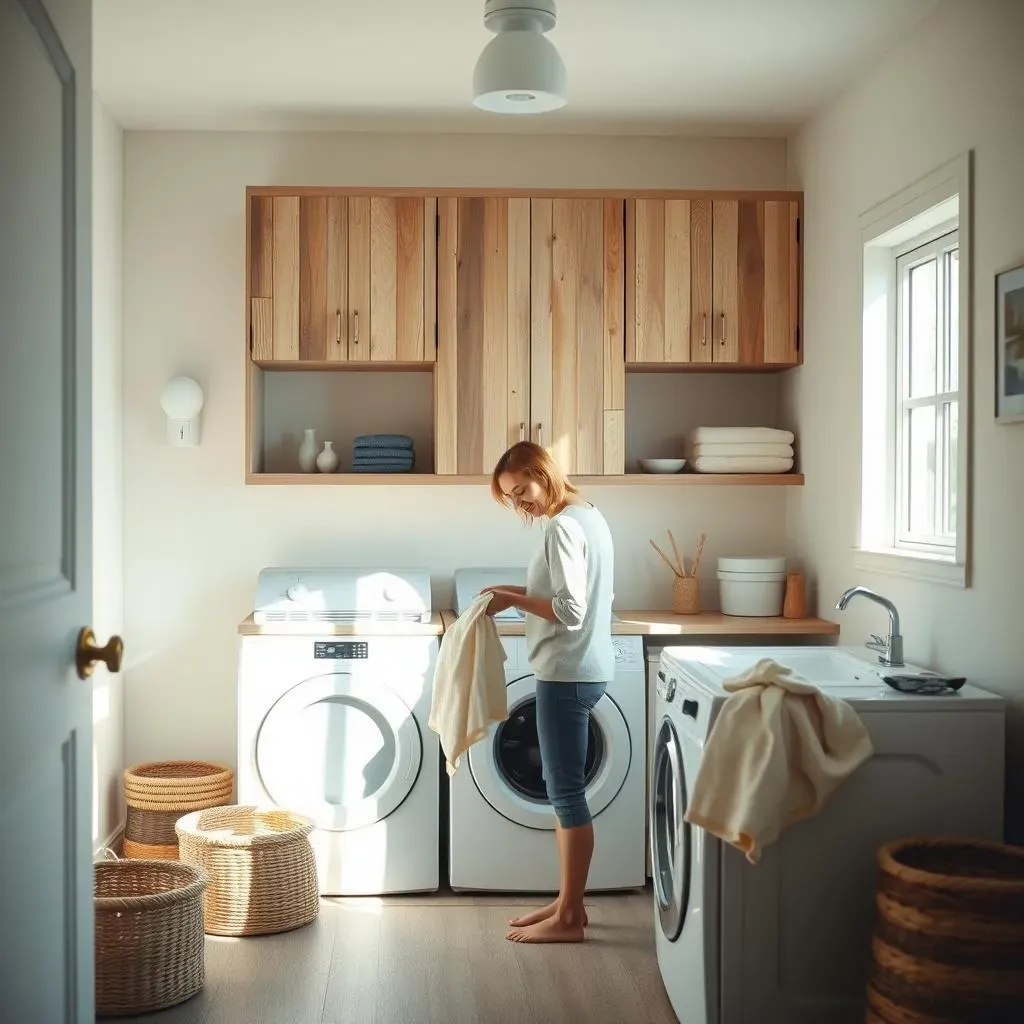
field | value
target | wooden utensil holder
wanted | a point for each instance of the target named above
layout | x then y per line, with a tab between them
686	595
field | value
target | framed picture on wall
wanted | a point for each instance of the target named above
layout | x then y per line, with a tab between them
1010	346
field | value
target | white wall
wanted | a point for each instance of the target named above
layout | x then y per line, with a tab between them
956	84
107	406
196	537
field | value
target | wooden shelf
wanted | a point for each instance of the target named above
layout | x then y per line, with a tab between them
669	624
431	479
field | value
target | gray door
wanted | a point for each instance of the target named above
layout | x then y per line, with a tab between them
46	968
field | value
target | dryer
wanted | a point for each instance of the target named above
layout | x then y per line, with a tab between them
334	688
501	826
788	940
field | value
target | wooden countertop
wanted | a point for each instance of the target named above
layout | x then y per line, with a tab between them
249	627
667	624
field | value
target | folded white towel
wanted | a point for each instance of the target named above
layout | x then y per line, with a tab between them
739	464
740	435
469	682
776	753
737	449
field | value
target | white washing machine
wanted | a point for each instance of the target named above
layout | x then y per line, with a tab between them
787	941
501	824
334	690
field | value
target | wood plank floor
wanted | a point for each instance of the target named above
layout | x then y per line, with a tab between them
439	959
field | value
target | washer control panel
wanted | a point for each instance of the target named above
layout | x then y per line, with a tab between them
341	650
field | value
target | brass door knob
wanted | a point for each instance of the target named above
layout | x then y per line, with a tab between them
87	653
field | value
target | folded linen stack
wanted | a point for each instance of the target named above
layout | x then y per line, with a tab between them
740	450
383	453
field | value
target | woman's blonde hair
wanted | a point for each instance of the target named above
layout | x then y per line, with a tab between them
538	464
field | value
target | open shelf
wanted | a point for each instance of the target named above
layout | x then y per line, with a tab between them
653	479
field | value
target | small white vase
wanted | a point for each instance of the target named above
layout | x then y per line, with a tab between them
307	452
327	460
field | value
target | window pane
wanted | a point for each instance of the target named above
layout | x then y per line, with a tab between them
920	471
953	312
950	430
923	340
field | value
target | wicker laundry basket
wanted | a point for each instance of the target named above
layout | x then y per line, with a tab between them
261	867
148	934
159	792
949	940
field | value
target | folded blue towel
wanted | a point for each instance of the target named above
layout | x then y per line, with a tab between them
383	468
386	463
383	441
365	452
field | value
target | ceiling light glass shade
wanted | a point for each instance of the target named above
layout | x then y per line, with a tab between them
519	72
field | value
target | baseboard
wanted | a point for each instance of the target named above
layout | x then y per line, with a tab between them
112	842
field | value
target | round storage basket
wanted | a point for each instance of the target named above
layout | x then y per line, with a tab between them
149	935
949	939
261	867
159	792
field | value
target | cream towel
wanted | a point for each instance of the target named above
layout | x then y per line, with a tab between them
740	435
740	464
469	682
736	449
777	751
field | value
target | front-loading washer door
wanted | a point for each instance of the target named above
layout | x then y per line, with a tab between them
345	752
670	834
506	766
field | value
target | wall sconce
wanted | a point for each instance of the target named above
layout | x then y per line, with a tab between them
182	401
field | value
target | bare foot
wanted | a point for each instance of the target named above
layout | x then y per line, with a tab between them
551	929
535	916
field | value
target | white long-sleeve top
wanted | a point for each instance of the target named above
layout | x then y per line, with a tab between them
575	567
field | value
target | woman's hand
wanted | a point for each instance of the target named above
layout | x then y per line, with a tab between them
502	598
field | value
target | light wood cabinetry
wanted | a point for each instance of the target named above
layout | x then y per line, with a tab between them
713	281
339	278
529	332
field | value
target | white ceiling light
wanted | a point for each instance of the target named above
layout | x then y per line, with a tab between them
519	71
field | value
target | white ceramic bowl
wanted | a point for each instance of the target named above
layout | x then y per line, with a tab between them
661	465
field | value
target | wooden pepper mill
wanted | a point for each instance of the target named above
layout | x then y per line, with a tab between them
795	604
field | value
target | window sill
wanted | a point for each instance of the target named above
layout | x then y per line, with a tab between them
927	568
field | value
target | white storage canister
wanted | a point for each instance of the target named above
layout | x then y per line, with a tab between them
754	587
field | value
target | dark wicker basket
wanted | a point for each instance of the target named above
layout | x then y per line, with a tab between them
149	935
949	940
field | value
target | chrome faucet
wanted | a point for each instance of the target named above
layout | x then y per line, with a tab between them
890	650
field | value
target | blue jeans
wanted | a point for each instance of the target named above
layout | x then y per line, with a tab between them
563	720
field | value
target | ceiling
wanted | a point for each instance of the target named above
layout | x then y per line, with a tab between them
734	67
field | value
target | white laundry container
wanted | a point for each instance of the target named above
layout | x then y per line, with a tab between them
754	587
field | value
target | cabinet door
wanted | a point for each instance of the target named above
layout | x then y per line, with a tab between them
336	277
658	280
577	355
755	282
392	246
482	379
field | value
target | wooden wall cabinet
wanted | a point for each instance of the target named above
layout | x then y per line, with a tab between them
713	281
530	295
339	278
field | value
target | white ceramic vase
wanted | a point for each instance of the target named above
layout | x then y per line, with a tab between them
327	460
307	452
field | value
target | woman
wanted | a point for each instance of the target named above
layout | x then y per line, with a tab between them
568	606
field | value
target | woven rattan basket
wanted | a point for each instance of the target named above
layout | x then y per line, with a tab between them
159	793
261	867
949	940
149	935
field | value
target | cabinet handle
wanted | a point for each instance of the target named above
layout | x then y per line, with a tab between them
704	329
522	431
723	328
337	328
540	434
355	327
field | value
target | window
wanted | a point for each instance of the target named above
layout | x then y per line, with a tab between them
927	397
916	368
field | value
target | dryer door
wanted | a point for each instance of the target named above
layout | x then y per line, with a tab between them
670	834
507	770
345	752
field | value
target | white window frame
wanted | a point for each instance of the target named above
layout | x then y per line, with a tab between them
895	236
